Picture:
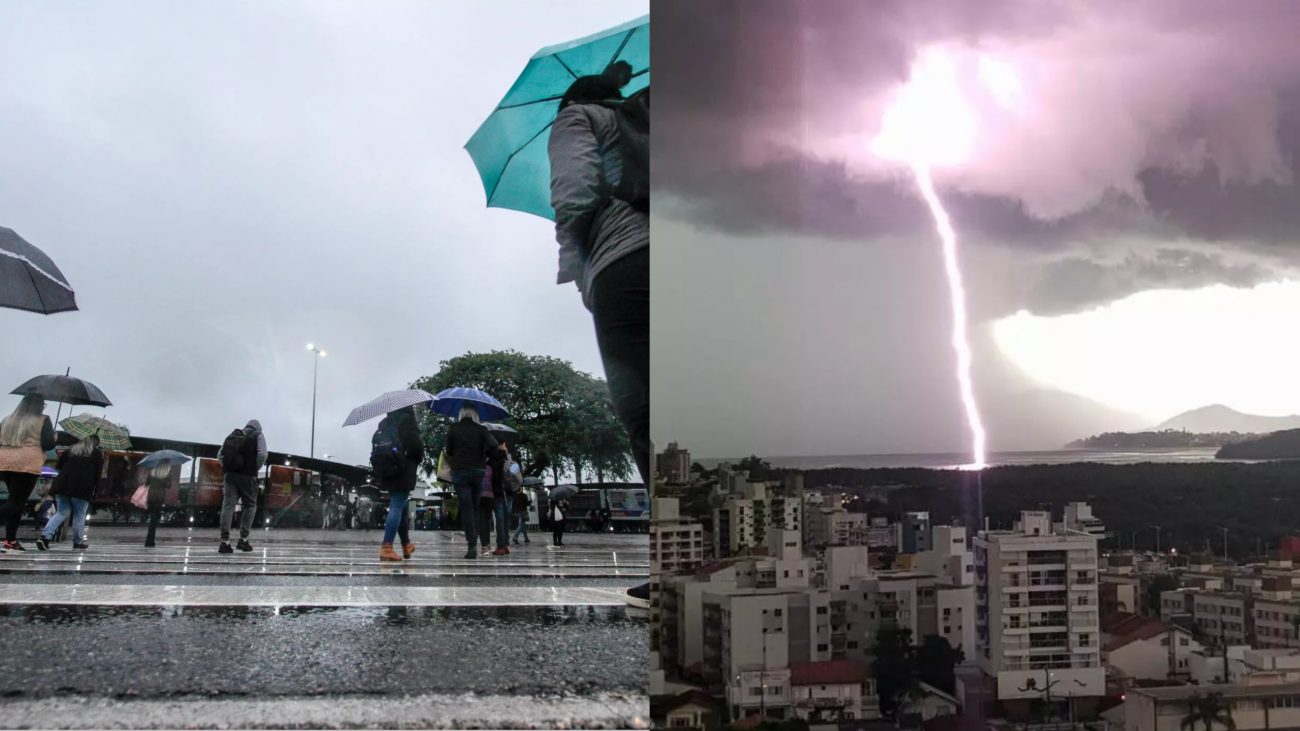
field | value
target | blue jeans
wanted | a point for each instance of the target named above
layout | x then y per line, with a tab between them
523	525
469	488
397	523
502	509
65	506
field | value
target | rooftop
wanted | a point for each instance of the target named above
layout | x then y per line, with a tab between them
1229	692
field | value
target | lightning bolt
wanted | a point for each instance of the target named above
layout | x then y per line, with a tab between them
957	296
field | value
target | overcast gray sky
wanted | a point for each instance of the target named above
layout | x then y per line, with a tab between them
223	182
1129	223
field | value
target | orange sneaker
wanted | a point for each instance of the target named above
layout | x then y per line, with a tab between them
386	553
407	549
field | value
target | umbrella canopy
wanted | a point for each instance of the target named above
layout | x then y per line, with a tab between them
450	401
560	492
29	280
165	456
65	389
509	149
497	428
387	403
111	436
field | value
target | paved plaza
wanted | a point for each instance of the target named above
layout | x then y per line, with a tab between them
310	630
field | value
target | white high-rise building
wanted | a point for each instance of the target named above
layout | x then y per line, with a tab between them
675	544
1079	517
1037	619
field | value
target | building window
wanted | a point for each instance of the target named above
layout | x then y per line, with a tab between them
1182	641
821	610
778	612
1085	639
822	648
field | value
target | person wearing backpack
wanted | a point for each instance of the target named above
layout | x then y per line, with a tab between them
469	444
395	454
242	456
600	190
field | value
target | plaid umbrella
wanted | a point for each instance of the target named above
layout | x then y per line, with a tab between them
29	280
387	403
111	436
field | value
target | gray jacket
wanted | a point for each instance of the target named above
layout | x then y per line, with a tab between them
592	228
262	454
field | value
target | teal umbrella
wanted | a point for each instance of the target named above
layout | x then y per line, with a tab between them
509	149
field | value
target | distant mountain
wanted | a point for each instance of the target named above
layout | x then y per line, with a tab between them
1043	419
1220	418
1278	445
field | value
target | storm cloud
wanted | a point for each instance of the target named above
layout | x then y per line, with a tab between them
1179	118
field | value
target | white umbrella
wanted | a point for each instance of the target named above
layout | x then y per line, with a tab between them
387	403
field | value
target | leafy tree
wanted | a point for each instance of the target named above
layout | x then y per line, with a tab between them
601	445
551	405
1208	710
935	663
895	667
1157	586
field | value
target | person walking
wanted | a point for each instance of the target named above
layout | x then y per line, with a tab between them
519	504
242	456
158	479
79	469
468	445
559	511
395	455
599	154
486	507
25	436
498	460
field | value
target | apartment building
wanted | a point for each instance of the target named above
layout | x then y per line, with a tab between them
675	544
1250	707
1037	609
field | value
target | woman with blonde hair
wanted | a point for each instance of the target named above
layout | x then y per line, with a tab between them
25	436
73	489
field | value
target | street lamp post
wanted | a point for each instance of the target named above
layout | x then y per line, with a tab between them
318	353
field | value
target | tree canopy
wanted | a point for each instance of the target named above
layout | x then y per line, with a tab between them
564	417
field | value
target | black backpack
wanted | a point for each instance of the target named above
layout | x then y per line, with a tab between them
633	116
387	455
233	452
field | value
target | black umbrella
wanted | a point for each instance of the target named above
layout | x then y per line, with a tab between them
29	280
64	389
502	432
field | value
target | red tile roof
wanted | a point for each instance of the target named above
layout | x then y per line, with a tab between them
829	672
1125	628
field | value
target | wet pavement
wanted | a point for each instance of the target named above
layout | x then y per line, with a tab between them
126	637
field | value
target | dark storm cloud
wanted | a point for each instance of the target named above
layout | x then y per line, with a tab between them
1172	119
1071	284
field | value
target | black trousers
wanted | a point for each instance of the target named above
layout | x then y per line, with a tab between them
155	512
557	532
620	309
20	486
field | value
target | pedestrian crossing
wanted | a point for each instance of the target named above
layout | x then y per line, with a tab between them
592	570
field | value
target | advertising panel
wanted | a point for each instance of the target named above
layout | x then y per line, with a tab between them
207	490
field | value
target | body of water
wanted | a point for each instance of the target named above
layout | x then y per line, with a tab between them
954	460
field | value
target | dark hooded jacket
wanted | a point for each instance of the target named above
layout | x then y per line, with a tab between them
408	435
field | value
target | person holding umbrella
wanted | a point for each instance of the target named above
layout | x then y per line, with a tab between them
599	154
469	444
559	511
25	436
158	478
79	469
396	454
